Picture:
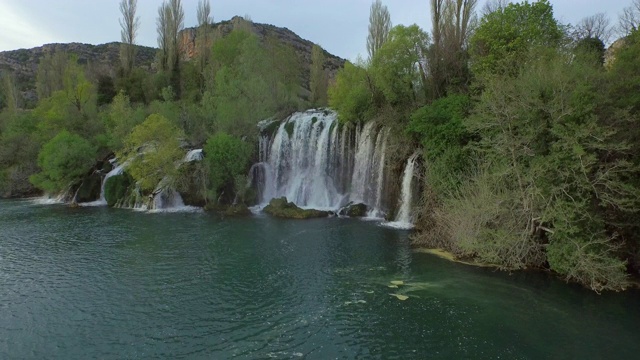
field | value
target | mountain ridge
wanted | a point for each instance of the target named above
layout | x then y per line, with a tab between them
103	59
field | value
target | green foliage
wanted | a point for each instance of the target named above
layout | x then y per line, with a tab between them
396	66
137	84
318	80
625	73
63	160
251	82
19	147
50	75
120	119
440	129
351	95
545	133
504	38
227	157
115	188
105	89
153	151
591	47
73	108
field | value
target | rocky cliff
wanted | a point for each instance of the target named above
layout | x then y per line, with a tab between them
104	59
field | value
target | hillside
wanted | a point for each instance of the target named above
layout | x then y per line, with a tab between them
104	58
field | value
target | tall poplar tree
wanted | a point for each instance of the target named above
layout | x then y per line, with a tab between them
129	23
379	27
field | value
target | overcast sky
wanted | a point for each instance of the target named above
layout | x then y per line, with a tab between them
339	26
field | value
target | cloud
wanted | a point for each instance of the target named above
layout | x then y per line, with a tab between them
18	31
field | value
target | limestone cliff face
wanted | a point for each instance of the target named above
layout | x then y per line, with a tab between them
610	54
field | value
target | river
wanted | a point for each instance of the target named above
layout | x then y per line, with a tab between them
113	284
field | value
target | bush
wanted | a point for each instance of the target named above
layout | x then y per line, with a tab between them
63	160
227	157
115	188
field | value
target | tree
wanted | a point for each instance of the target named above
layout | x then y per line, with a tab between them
63	160
19	147
50	75
629	20
379	27
398	67
545	134
351	94
493	6
9	92
227	157
129	24
504	38
176	24
440	129
120	119
318	81
152	151
164	42
203	37
452	20
72	108
596	26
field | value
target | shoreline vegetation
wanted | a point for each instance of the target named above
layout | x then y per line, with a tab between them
523	131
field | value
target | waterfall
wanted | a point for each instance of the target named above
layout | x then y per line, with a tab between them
404	218
102	201
316	163
194	155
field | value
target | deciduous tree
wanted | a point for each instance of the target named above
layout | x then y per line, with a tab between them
129	24
318	81
379	27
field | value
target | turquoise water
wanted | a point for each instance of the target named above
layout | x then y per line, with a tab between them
114	284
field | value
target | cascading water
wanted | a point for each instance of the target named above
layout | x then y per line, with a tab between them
404	218
194	155
102	201
315	163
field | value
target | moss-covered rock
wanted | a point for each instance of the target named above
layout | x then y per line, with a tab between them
289	127
237	210
358	210
355	210
282	208
192	183
89	189
115	188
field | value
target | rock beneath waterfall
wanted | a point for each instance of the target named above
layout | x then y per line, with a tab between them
89	189
280	207
354	210
116	188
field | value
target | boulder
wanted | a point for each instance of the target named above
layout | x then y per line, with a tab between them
354	210
283	209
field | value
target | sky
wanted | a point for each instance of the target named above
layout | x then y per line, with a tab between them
339	26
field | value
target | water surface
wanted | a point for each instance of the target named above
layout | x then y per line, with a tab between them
109	284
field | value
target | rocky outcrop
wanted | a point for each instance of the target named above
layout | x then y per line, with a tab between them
610	54
102	59
283	209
